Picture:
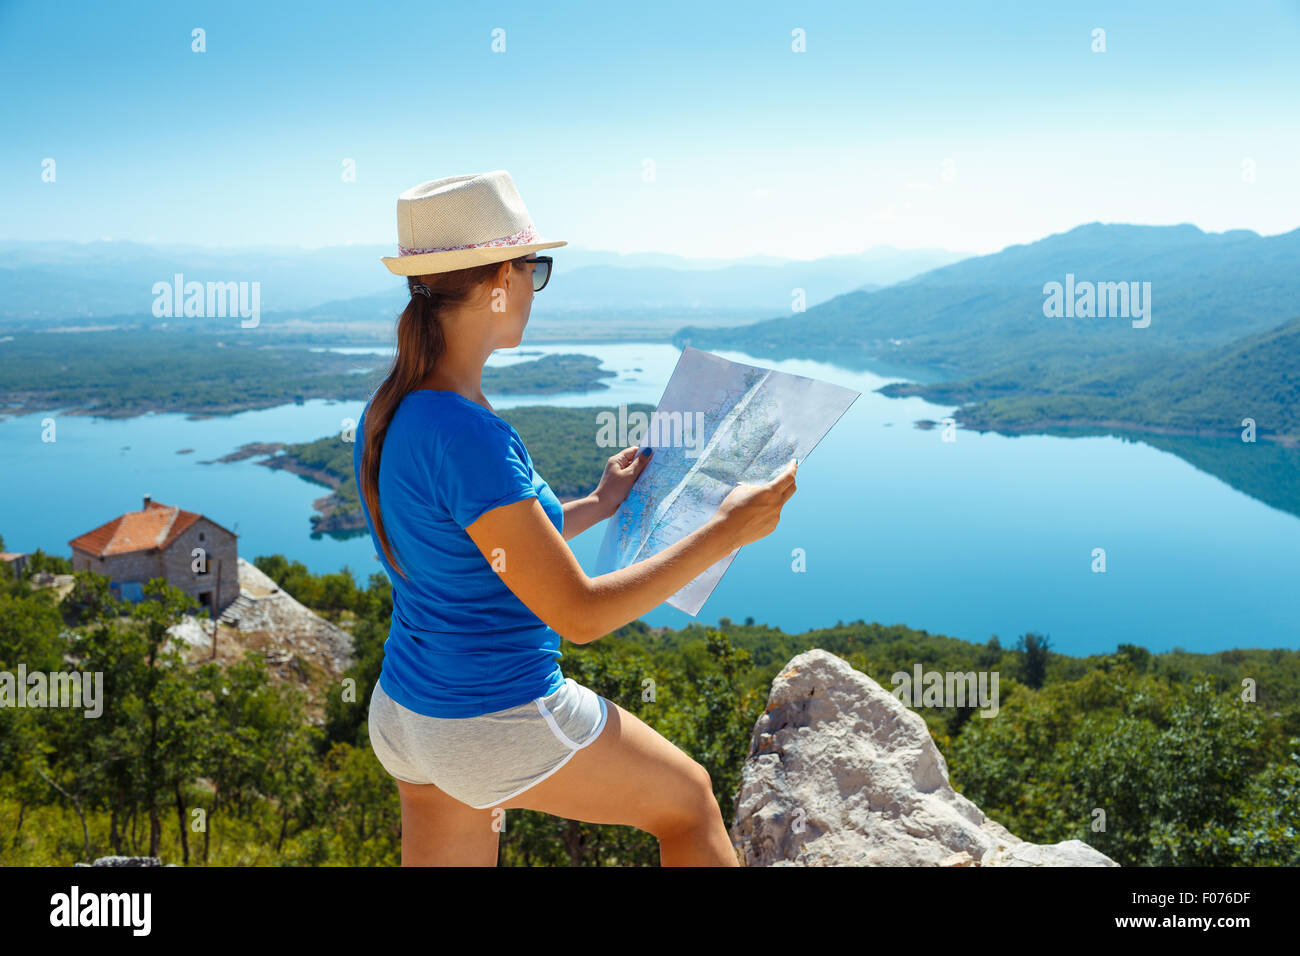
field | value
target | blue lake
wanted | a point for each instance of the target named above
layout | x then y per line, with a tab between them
979	536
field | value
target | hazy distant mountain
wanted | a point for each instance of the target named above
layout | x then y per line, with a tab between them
75	280
764	288
986	313
879	264
40	280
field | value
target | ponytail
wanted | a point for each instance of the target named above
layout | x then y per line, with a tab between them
420	344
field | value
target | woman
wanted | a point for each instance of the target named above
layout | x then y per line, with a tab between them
471	713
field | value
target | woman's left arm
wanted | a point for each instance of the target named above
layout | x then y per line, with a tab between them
621	471
581	513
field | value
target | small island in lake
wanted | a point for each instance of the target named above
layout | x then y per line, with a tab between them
562	442
191	372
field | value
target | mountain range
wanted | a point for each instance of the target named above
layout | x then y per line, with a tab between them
987	312
1216	345
59	282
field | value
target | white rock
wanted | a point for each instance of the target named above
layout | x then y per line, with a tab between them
193	631
841	773
262	606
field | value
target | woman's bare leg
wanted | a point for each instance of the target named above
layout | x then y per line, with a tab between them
439	830
633	776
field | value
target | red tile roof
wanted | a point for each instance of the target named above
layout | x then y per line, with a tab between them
156	526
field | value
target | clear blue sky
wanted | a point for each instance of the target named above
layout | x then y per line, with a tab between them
756	149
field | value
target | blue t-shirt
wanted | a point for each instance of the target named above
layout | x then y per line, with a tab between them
461	644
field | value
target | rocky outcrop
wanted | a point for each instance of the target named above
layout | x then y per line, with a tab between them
263	608
841	773
299	646
126	861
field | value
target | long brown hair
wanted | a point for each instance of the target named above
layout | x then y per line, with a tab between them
420	344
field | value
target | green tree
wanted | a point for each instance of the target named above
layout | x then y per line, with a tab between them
1034	659
30	627
362	800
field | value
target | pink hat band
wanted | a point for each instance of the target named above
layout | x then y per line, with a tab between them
522	237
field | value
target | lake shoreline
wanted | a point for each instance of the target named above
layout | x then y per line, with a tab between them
987	537
334	514
1054	427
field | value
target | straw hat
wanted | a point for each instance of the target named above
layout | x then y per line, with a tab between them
460	222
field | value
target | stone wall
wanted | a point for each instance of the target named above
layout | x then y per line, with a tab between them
220	545
133	566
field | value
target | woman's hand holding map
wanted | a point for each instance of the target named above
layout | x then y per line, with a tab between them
750	512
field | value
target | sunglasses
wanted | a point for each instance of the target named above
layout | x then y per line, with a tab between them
542	272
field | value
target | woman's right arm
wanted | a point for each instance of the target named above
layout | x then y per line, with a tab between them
535	562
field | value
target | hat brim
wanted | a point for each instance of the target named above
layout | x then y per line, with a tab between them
427	263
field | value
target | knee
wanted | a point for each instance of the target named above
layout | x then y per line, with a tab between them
695	806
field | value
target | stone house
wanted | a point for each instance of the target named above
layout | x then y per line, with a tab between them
191	552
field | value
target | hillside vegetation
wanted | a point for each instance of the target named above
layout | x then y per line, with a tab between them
1189	768
1212	391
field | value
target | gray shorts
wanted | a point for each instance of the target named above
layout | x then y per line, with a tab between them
484	761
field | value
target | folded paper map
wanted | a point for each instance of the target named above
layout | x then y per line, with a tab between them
718	425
